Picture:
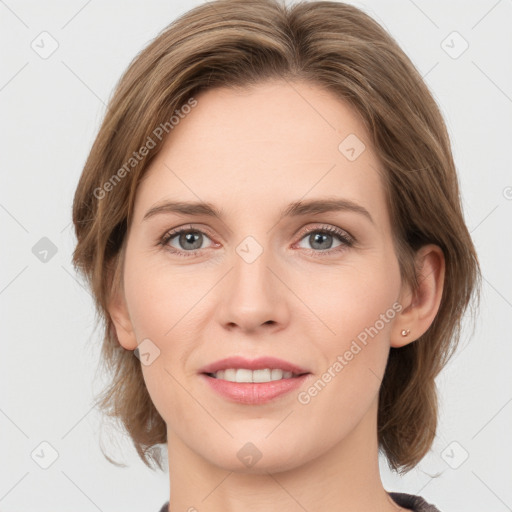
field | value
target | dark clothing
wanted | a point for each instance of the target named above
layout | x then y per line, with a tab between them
410	501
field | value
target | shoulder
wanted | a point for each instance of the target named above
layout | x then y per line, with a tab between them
413	502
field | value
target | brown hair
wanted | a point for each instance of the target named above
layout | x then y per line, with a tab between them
341	49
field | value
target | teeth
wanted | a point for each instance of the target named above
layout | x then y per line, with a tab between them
245	375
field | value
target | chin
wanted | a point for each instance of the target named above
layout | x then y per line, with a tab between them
256	454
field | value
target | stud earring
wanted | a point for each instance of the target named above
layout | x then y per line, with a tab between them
405	332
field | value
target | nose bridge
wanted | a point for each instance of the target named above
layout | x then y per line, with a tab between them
253	295
251	275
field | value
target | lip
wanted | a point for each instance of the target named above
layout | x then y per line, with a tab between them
255	364
254	393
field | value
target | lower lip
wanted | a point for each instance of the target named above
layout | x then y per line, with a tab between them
254	393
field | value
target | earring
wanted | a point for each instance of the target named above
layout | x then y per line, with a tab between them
405	332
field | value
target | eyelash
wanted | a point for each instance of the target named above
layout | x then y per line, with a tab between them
346	240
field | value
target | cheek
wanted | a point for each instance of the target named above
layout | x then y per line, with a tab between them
356	302
158	300
160	306
359	308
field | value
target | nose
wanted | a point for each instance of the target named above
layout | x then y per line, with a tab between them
253	295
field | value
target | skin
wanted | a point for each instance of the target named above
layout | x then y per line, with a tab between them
251	153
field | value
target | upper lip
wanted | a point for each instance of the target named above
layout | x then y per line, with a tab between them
252	364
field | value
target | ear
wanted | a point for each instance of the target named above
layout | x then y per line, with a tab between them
420	307
120	316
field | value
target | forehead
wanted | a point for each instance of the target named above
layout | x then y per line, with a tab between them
276	142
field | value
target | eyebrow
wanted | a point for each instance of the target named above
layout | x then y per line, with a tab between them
295	209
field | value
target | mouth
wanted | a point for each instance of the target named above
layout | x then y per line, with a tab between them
254	387
254	376
253	369
253	382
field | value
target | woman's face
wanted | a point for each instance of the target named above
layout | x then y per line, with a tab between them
259	281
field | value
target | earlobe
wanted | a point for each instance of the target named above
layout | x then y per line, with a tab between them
420	307
120	317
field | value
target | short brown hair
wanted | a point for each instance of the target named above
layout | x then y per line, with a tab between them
340	49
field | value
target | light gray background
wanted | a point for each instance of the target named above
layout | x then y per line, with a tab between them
50	112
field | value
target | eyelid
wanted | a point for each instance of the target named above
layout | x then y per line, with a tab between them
346	239
171	233
331	229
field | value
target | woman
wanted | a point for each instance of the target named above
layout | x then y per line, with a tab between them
269	219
